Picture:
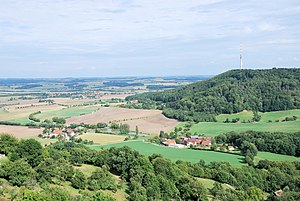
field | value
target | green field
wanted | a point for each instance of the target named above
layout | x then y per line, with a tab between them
274	157
193	155
178	154
265	117
216	128
67	112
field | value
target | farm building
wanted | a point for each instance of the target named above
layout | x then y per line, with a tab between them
196	140
169	142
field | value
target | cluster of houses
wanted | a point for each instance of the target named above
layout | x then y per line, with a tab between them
65	134
204	141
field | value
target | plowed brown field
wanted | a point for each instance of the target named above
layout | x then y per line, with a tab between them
148	121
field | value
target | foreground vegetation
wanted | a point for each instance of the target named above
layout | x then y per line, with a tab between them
49	174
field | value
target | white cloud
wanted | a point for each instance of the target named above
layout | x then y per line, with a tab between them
103	31
269	27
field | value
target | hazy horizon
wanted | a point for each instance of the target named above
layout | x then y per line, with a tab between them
115	38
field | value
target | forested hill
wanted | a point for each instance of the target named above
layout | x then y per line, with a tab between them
231	92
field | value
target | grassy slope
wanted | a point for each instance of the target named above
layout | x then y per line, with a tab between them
193	155
216	128
275	157
178	154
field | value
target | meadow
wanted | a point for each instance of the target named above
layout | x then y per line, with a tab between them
274	157
216	128
174	154
193	156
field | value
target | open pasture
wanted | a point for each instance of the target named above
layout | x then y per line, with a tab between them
275	157
216	128
265	117
194	155
20	131
148	121
174	154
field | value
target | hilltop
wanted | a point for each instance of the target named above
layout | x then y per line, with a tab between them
230	92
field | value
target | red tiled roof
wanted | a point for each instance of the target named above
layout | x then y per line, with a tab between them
58	132
169	142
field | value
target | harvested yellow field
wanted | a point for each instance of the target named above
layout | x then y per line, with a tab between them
20	131
102	138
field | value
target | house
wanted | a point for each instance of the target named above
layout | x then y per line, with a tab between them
279	193
134	101
71	132
57	132
196	140
190	142
169	142
230	148
206	142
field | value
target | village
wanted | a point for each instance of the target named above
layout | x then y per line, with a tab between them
197	142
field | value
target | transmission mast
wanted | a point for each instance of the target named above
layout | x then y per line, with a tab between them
241	58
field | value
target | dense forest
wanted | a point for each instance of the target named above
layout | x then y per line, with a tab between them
230	92
33	172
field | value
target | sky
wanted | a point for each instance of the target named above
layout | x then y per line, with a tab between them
100	38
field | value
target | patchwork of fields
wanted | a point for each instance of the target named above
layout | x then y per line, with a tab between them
68	112
148	121
20	115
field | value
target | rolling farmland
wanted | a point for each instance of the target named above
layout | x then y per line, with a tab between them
148	121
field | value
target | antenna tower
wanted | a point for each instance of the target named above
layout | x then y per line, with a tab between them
241	58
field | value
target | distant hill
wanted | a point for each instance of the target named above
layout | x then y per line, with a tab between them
230	92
